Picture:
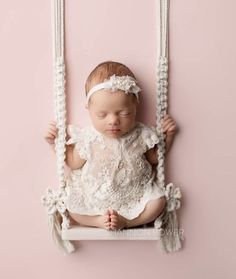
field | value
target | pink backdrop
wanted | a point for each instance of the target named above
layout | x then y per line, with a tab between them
202	161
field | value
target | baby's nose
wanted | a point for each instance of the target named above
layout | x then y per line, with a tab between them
113	119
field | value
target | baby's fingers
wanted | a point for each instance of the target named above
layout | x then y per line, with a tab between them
49	138
52	128
168	124
53	124
50	134
167	116
53	131
171	127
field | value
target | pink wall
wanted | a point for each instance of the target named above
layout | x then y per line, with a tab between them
202	161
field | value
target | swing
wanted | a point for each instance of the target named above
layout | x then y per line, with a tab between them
165	226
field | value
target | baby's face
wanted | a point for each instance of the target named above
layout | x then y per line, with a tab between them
112	113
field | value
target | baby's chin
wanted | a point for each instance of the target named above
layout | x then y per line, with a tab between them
115	134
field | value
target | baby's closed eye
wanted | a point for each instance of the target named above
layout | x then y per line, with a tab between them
120	113
125	113
101	114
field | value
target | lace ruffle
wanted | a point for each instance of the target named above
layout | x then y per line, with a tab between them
149	136
77	137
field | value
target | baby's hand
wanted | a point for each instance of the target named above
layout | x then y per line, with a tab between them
51	133
168	125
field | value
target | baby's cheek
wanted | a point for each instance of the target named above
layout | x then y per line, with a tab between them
98	124
129	120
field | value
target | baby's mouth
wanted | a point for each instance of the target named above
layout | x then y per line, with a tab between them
113	130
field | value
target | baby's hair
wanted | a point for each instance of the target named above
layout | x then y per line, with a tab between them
104	71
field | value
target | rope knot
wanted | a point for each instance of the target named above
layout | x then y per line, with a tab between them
54	200
173	196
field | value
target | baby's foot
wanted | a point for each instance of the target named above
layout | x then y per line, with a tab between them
117	221
103	221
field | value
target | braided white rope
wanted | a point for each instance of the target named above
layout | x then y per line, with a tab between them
162	89
171	238
59	87
55	200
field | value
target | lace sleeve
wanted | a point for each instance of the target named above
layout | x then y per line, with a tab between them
149	137
77	137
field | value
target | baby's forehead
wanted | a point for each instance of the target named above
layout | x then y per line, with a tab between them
106	98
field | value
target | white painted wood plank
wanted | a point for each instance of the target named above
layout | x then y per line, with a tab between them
89	233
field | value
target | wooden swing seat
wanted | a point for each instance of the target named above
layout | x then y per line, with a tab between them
77	232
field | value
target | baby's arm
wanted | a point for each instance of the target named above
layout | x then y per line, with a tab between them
151	154
169	128
73	159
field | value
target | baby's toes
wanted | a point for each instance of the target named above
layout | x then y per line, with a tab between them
107	218
107	225
113	212
107	212
114	215
113	226
114	222
114	219
107	215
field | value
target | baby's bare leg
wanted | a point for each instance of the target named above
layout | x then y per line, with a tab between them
151	211
99	221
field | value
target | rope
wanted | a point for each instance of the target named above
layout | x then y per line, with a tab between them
162	89
55	200
171	237
59	87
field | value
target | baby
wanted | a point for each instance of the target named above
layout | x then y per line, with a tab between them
112	183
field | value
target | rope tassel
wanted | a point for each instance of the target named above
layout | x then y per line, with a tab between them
171	235
54	222
55	202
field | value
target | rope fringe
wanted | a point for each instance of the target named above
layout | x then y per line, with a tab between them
54	222
171	235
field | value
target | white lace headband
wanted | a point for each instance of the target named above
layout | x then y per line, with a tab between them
125	83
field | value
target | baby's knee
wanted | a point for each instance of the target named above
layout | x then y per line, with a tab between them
72	218
158	204
162	201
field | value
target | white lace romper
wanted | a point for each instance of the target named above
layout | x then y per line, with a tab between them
116	173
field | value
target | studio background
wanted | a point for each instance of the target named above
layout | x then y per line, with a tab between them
202	160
